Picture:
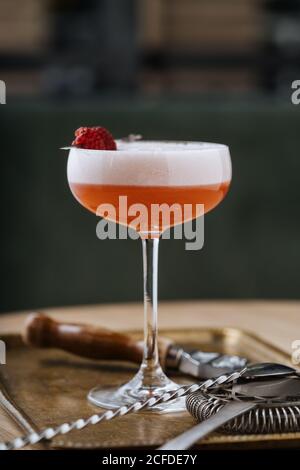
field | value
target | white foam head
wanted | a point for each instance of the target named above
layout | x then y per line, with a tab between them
152	163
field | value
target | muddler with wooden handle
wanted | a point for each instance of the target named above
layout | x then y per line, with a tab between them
100	343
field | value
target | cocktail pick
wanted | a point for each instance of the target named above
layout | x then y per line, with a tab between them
132	138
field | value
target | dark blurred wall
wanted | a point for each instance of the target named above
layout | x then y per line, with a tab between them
49	251
219	71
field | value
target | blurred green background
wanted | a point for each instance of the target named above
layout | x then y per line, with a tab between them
224	87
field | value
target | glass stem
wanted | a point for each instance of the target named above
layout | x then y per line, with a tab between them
150	362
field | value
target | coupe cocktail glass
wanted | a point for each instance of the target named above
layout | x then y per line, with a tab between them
149	172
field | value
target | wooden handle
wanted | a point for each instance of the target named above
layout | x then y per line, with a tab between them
85	340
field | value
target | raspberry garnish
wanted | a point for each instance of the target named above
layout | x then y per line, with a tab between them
95	138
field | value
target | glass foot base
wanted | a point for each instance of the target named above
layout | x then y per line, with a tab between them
114	397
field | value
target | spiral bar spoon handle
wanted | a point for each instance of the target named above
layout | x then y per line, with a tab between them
51	432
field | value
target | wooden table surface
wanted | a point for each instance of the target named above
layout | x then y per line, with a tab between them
278	322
